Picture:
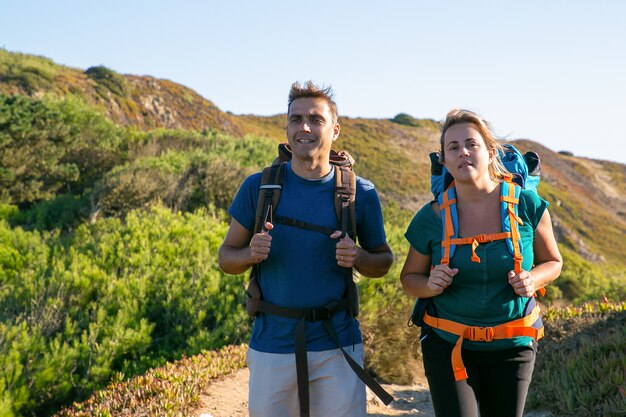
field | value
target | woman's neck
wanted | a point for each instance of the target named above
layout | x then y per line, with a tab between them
474	192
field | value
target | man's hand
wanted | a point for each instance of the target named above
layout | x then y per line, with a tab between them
346	251
261	244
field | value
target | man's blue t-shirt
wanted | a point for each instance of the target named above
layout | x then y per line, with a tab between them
301	270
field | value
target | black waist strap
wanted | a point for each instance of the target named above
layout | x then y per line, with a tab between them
323	314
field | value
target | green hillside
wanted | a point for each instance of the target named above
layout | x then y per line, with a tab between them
113	191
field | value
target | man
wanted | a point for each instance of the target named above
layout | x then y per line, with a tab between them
305	269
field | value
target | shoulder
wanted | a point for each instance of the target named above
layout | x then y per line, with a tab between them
366	191
425	219
531	200
425	228
531	206
427	214
363	184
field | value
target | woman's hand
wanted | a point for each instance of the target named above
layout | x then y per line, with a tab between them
523	283
439	279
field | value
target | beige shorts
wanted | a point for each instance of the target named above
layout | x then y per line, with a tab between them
334	388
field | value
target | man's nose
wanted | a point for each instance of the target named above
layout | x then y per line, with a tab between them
305	126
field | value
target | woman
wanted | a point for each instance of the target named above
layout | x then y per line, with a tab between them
480	331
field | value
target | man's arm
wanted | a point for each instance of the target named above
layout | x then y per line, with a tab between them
375	262
241	249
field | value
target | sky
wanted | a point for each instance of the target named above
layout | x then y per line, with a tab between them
551	71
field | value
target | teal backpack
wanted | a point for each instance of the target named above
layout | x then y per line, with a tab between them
525	171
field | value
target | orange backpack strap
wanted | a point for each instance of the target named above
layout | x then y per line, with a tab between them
514	328
449	221
511	221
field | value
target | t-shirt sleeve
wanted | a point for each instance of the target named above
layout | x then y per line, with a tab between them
424	230
370	226
243	208
532	207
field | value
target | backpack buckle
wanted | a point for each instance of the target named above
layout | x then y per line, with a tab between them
318	314
481	334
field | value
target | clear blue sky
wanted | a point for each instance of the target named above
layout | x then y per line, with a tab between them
551	71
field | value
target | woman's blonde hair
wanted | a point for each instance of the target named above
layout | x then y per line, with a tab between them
497	171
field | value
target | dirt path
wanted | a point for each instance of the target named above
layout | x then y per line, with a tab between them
228	397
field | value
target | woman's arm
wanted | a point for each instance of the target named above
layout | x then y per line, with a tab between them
419	280
548	261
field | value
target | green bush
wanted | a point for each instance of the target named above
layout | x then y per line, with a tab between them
107	79
48	147
113	297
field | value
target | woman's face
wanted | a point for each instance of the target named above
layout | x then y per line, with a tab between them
466	154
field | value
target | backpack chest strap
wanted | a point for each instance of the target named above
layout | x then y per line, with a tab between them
476	240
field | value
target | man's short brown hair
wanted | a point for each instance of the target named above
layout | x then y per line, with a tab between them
311	90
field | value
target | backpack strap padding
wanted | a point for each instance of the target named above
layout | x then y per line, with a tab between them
345	196
269	194
449	221
509	198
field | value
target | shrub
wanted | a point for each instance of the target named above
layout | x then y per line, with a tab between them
114	297
107	79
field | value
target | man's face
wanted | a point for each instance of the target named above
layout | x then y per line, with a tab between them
311	129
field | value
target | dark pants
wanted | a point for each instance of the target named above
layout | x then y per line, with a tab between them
497	384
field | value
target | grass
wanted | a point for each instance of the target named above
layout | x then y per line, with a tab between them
581	363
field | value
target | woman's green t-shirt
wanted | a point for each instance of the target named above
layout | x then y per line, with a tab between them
480	294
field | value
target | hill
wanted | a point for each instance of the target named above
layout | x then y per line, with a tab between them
588	196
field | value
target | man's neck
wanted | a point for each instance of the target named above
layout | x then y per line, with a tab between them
311	169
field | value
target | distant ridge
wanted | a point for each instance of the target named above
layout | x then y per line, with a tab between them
587	196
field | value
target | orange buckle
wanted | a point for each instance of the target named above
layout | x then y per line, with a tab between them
480	334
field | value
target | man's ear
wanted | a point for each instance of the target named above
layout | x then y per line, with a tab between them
336	131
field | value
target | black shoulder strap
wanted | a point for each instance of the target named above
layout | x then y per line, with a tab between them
269	194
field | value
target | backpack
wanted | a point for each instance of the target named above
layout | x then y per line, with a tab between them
272	180
344	201
525	169
521	175
345	192
525	174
